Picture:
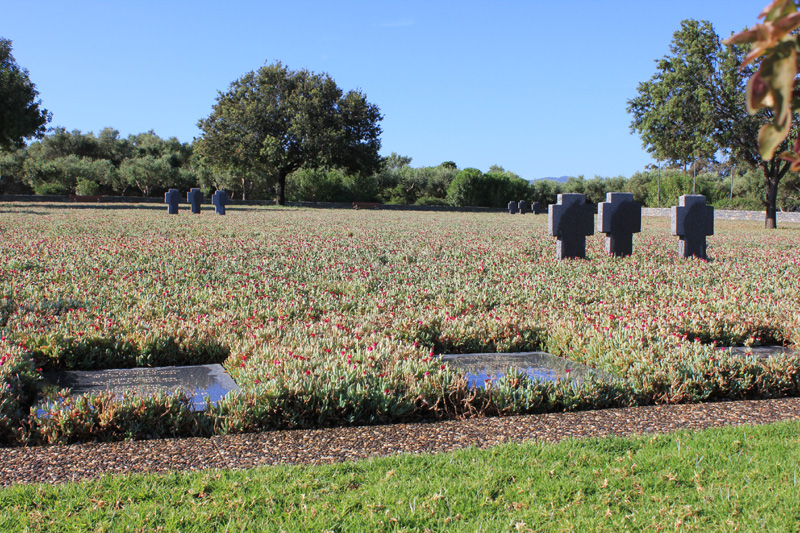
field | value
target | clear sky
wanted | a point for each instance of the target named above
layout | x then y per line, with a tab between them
539	86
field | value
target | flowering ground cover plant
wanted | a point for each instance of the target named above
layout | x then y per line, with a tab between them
328	317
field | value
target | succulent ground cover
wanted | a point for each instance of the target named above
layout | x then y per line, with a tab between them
337	317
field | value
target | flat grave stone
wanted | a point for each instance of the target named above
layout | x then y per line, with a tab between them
692	220
762	352
197	380
571	220
619	217
481	368
172	198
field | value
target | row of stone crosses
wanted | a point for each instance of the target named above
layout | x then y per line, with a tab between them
571	220
195	199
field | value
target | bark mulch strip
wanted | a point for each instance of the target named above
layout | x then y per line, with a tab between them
84	461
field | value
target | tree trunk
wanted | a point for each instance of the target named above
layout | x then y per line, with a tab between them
244	189
771	220
774	170
280	198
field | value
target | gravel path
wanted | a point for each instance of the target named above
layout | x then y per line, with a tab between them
55	464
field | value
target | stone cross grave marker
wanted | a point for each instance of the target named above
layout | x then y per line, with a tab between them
692	221
195	198
523	207
172	198
571	220
220	200
536	208
619	217
512	207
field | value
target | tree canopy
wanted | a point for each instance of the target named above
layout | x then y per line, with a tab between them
694	107
20	113
274	121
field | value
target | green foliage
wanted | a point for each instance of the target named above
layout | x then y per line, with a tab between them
18	377
156	163
672	112
399	183
471	187
275	121
318	185
46	189
545	192
695	106
55	352
431	200
86	188
20	115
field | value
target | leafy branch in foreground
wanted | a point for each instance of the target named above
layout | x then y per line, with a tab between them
774	84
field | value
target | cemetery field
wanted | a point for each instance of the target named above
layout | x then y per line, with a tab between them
327	317
732	479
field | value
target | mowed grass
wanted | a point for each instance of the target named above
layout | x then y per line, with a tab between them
731	479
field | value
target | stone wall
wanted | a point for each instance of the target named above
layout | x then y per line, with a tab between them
726	214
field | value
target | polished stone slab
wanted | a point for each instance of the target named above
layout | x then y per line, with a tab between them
763	352
484	367
198	380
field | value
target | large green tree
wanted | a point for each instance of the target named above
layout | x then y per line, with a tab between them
274	121
694	106
20	113
156	163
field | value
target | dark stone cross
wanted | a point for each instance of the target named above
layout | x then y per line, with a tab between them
523	207
512	207
172	199
571	220
220	200
692	221
619	217
536	208
195	198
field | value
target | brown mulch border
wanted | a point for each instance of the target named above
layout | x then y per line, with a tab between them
57	464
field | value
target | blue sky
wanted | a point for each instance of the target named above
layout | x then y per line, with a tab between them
539	87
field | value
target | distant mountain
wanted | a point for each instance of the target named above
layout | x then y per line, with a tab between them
562	179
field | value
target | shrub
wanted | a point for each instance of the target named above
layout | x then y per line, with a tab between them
430	200
47	189
86	188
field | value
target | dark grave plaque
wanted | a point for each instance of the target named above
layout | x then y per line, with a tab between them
481	368
762	352
198	381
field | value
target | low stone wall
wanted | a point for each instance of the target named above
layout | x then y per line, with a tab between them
727	214
722	214
207	201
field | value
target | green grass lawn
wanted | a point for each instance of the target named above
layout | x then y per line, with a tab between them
732	479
